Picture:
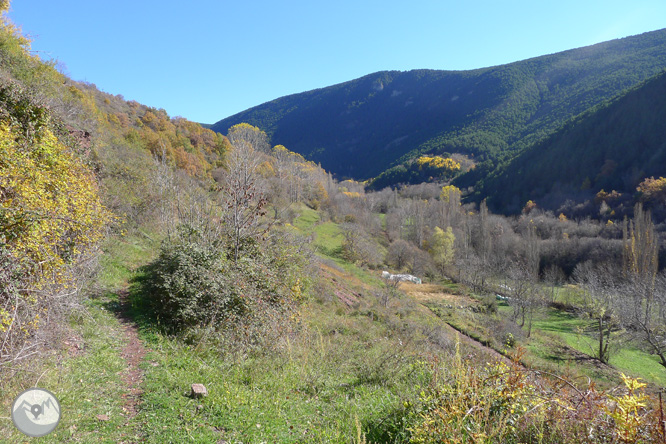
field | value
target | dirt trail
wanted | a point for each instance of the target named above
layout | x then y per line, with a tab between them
133	352
476	344
430	292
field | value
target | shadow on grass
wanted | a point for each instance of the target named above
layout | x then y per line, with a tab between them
558	321
390	427
133	305
334	253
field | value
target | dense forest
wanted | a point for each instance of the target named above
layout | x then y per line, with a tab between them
141	253
613	147
385	119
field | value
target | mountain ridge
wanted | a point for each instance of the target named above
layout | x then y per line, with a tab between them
616	145
385	118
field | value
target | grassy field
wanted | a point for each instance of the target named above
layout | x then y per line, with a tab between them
347	375
337	380
554	328
328	242
315	390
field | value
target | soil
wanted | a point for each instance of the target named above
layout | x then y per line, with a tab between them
428	292
133	352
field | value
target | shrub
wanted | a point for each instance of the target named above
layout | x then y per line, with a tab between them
188	282
194	287
510	404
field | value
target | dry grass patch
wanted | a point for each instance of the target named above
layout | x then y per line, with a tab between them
429	293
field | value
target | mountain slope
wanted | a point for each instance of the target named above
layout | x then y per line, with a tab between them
612	147
361	127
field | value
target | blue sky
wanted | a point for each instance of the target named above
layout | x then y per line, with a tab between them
206	60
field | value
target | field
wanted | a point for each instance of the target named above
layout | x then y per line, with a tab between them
348	375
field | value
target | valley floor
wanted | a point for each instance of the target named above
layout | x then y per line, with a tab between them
347	376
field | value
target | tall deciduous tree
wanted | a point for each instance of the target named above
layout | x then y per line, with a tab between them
647	312
246	134
242	193
442	246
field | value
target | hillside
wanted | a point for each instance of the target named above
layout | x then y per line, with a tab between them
142	256
384	118
612	147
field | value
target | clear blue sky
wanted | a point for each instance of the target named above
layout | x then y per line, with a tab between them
209	59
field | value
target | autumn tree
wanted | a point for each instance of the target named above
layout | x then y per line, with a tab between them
51	216
50	209
653	190
437	166
242	192
442	247
640	250
647	311
244	134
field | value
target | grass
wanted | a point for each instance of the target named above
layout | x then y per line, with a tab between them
328	242
313	393
86	385
343	371
555	327
638	363
122	256
89	383
345	366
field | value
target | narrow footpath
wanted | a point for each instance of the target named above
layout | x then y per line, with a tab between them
133	352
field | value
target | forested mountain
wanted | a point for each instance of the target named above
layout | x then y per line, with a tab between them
362	127
142	256
614	146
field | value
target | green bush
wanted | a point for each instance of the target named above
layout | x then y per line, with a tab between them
195	287
189	283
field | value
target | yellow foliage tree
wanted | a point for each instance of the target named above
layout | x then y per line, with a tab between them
50	210
450	194
652	189
442	246
438	164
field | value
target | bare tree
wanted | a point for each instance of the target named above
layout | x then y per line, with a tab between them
554	276
647	311
602	302
398	253
416	222
390	290
448	207
524	294
484	240
358	246
242	193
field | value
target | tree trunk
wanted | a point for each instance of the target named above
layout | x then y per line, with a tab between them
602	347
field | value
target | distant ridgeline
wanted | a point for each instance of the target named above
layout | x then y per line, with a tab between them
604	154
379	125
